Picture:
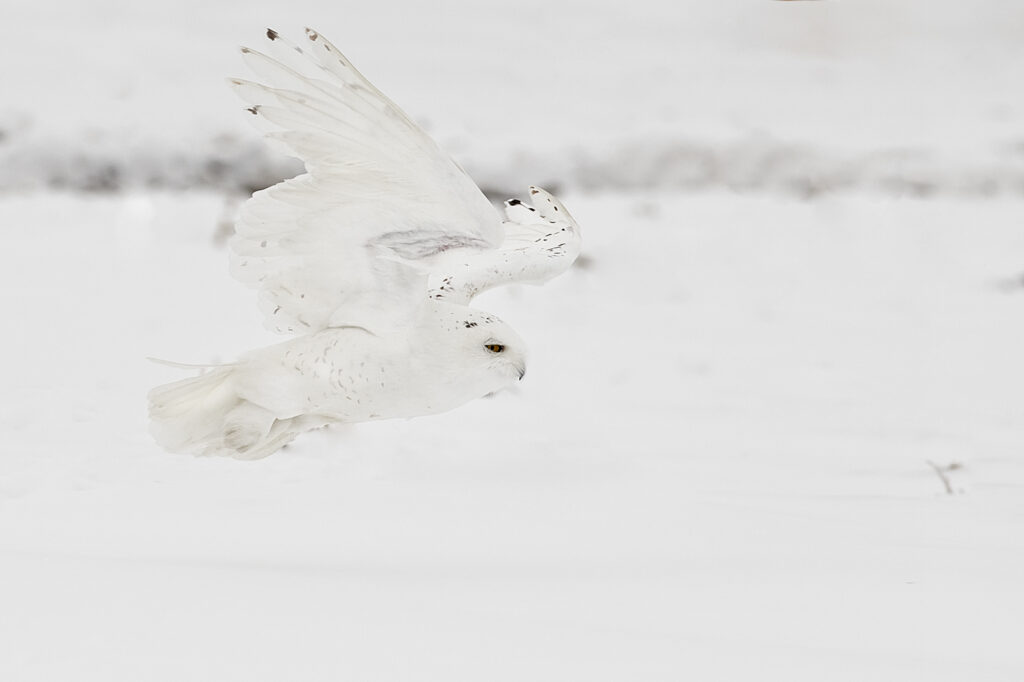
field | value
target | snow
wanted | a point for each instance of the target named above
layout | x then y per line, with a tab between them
884	94
724	462
717	466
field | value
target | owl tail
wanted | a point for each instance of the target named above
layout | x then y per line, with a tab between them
204	415
188	415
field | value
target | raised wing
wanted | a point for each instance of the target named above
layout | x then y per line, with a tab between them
351	241
541	241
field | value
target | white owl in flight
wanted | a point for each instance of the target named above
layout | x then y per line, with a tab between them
370	258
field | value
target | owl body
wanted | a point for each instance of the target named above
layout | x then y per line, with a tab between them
350	374
250	408
369	258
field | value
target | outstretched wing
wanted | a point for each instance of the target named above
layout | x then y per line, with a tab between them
351	241
541	241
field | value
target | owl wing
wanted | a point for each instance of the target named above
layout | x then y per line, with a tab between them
352	240
541	241
382	218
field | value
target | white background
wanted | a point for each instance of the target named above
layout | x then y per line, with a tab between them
803	286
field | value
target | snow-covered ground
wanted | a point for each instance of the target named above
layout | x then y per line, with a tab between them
716	469
729	458
903	96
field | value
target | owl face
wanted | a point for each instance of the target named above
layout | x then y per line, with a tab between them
497	349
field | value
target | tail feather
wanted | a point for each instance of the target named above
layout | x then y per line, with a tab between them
188	415
204	415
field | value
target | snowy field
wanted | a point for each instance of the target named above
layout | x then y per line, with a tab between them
730	457
903	96
717	467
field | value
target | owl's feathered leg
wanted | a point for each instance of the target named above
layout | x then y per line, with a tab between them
280	433
245	426
204	415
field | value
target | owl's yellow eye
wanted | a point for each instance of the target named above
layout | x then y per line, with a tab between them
494	347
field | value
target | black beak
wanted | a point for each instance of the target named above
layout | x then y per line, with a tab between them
522	373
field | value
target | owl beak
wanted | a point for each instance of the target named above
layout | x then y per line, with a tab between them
522	373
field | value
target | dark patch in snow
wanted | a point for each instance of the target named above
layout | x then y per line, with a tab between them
744	165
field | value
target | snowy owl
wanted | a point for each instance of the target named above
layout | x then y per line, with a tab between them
370	259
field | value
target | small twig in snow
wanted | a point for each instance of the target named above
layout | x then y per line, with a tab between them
942	471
